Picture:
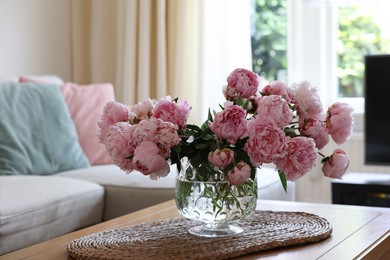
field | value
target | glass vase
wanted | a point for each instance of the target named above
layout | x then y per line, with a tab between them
205	195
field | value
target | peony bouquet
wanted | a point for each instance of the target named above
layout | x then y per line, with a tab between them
286	126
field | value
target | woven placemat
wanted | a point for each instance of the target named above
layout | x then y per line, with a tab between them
169	239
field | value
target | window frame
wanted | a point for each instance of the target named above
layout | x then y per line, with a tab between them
312	34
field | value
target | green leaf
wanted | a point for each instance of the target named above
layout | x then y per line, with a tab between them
202	146
193	127
205	127
283	179
245	105
207	137
324	160
290	132
209	116
240	101
177	148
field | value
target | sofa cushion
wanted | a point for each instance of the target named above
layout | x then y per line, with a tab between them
85	104
37	135
126	193
37	208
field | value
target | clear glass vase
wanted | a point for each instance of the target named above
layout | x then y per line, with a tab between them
205	195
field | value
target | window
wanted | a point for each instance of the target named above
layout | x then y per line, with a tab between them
362	31
323	41
269	38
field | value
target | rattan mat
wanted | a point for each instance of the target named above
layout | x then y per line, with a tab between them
169	239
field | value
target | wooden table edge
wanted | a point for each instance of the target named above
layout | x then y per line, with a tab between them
165	211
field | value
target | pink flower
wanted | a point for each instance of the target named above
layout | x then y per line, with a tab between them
301	157
163	172
280	125
239	174
242	83
276	88
144	131
148	160
339	122
266	142
166	137
117	145
275	108
143	109
184	110
168	110
307	100
224	91
113	113
221	157
317	130
337	164
230	124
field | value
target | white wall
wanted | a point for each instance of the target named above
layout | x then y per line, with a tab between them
35	38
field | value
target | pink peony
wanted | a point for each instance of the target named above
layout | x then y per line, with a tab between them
224	91
166	137
317	130
163	172
242	83
185	109
280	125
168	110
142	110
339	122
301	157
276	88
266	142
116	142
113	113
275	108
144	131
337	164
307	100
148	160
221	157
230	124
239	174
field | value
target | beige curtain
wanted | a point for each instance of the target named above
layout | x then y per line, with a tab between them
146	48
153	48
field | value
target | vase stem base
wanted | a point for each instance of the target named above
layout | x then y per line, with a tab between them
215	230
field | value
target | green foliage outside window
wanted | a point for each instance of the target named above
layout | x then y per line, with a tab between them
359	35
269	37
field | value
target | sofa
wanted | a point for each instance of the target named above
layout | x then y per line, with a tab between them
55	177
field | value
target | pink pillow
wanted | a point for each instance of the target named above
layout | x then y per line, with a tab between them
52	79
85	104
25	79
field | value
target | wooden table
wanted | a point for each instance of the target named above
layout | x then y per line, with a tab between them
358	232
